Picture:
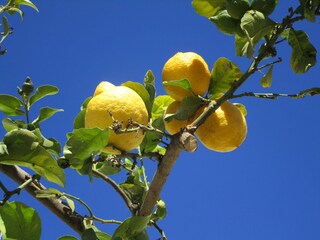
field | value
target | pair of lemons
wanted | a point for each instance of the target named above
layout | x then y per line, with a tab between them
223	131
226	128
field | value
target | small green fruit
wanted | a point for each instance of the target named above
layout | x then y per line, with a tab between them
225	23
27	87
264	6
237	8
20	142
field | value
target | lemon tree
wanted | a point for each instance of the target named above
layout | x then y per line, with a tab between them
120	126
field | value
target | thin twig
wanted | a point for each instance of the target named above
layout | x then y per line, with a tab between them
270	64
130	205
92	216
272	96
8	194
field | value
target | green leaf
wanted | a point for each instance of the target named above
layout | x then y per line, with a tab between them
27	3
183	83
142	91
266	80
93	233
67	238
45	113
133	191
84	142
42	92
242	108
79	121
224	73
149	78
107	167
69	202
48	193
10	105
152	139
9	124
304	54
207	8
243	47
160	212
2	229
50	144
6	29
21	221
225	23
3	149
310	91
160	104
187	109
13	10
309	9
24	150
256	26
131	228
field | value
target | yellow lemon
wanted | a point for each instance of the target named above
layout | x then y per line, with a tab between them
224	130
174	126
102	87
186	65
124	104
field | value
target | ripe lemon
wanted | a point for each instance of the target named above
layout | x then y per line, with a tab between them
186	65
174	126
124	104
224	130
102	87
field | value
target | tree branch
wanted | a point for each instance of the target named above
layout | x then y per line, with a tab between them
54	205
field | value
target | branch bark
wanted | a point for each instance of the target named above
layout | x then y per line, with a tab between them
54	205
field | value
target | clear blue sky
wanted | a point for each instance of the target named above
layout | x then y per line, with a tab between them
269	188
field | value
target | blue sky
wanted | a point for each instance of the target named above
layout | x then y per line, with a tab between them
269	188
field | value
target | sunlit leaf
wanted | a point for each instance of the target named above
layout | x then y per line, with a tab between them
27	3
160	212
79	121
142	91
42	92
10	105
131	227
13	10
256	26
69	202
207	8
67	238
48	193
152	139
21	221
183	83
187	109
24	150
6	29
266	80
107	167
83	142
9	124
160	104
244	47
45	113
304	54
224	73
242	108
